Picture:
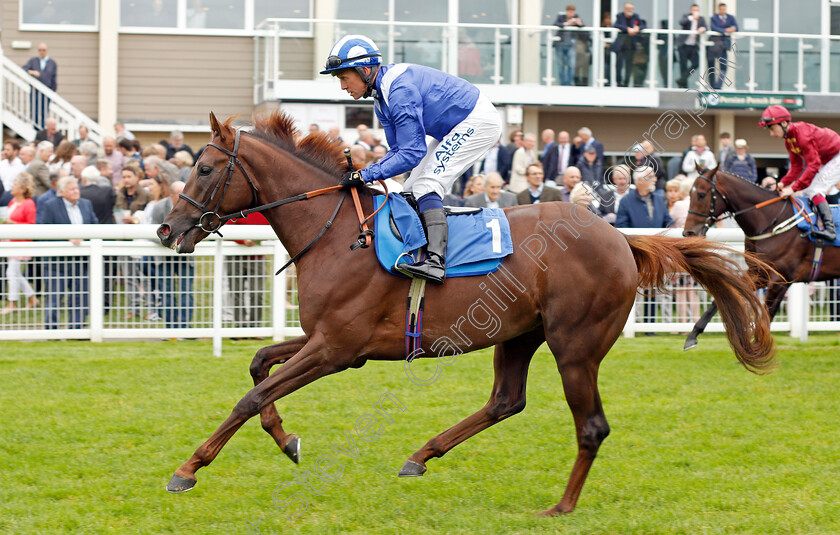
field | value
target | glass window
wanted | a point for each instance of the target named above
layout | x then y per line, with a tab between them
793	20
356	115
287	9
62	12
149	13
477	45
216	14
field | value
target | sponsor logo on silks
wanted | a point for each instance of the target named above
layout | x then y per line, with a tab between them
449	147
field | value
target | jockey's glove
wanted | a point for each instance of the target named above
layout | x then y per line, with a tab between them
352	179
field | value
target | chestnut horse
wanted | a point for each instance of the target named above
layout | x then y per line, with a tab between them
759	210
571	283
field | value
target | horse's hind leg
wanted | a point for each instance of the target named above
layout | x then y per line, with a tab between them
510	365
700	326
271	421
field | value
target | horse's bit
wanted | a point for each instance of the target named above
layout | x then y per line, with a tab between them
211	221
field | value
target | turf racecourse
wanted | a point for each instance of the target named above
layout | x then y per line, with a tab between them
92	432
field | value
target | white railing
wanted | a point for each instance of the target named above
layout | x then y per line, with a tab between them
490	54
229	281
23	98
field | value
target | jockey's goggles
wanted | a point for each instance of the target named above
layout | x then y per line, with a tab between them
335	61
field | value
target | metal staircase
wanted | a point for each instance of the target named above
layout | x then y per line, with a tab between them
19	92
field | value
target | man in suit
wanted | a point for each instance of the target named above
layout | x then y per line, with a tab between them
44	68
537	192
641	208
562	155
68	275
493	196
727	25
689	44
38	168
624	45
50	133
587	141
497	160
571	178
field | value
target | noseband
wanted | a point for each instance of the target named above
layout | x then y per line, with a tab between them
211	221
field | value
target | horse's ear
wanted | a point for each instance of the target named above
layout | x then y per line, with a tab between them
222	131
699	168
714	172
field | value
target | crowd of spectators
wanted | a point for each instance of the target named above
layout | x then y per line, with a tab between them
630	42
56	181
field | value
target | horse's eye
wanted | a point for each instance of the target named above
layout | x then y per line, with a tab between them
204	170
701	195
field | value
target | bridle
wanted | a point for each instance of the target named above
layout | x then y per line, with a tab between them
211	221
711	219
214	221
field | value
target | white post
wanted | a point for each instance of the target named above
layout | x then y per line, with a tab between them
798	310
278	295
630	326
96	274
218	271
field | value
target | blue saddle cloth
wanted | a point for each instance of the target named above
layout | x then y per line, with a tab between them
808	226
476	246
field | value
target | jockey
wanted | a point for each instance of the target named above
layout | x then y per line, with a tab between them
412	102
819	150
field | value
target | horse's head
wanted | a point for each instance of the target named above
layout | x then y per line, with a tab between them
705	205
217	186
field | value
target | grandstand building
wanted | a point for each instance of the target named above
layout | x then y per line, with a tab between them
160	65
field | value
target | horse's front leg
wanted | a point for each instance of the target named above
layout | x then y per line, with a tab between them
271	421
312	362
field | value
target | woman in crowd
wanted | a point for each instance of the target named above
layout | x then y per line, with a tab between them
184	161
474	185
21	212
63	154
741	163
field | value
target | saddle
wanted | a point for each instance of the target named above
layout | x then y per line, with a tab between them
807	221
478	238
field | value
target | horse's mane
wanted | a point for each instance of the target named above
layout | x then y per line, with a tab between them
745	179
278	128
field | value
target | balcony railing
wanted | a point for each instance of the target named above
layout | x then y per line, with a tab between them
495	54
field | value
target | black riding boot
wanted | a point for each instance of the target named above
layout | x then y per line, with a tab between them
433	268
824	211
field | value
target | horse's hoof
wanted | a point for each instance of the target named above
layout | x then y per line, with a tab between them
412	469
292	449
690	343
180	484
552	512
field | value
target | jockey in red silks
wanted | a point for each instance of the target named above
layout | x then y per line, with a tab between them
814	161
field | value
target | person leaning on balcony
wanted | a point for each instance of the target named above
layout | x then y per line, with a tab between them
689	44
21	212
624	45
725	24
413	102
566	44
66	276
43	67
38	168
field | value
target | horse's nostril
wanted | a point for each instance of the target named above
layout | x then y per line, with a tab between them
164	230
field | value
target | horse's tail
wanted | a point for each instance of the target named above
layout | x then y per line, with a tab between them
744	316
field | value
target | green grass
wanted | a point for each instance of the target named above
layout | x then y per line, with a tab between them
91	433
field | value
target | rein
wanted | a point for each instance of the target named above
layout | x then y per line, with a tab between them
711	219
214	221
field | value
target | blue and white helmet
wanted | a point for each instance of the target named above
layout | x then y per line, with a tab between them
352	51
